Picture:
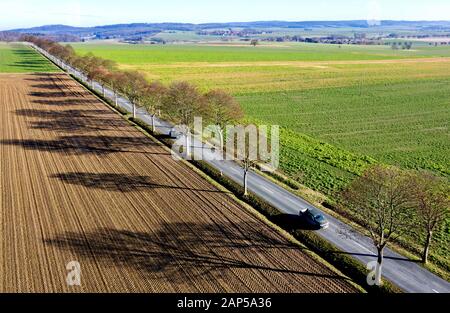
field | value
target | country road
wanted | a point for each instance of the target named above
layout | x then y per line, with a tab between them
407	274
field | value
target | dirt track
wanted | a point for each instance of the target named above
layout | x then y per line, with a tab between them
306	64
78	183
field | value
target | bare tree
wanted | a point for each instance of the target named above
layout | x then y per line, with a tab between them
153	98
58	51
182	103
382	200
68	54
243	142
111	79
254	42
132	84
84	64
91	66
99	74
433	202
222	109
248	162
11	36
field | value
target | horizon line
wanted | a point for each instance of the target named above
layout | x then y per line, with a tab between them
236	22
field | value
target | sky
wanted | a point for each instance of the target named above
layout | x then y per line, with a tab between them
29	13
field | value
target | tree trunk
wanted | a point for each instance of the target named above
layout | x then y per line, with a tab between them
245	182
378	270
188	146
221	141
427	247
153	123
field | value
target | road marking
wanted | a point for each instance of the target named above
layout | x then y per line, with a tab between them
235	170
294	201
267	189
435	291
357	243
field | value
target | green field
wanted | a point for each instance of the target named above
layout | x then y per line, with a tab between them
243	52
17	58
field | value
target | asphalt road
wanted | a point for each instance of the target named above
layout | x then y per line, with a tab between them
406	274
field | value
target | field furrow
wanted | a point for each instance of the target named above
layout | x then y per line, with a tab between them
80	184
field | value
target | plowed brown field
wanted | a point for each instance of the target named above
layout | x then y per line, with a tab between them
80	184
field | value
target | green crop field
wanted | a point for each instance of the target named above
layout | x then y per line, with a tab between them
243	52
17	58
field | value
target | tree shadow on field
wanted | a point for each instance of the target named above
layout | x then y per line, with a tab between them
83	145
178	252
49	94
44	79
56	95
48	86
86	123
56	114
29	60
29	65
30	57
20	51
120	182
44	76
71	120
64	102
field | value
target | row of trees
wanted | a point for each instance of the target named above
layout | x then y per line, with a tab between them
401	45
180	102
391	203
9	36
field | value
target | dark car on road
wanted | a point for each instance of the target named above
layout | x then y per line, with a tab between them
315	218
175	134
